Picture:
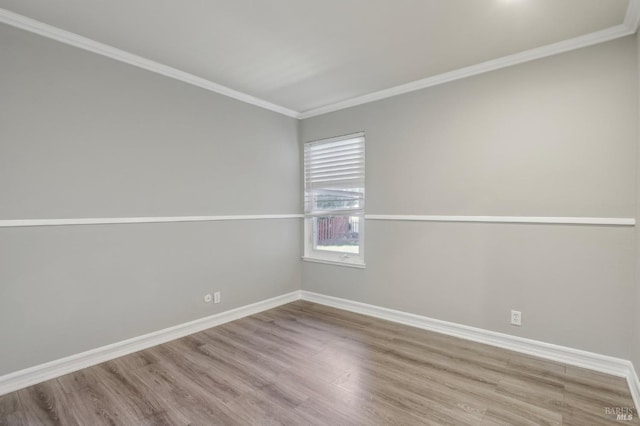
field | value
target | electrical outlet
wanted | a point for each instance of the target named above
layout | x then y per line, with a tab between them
216	297
207	298
516	318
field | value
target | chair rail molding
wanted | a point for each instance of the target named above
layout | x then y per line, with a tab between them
12	223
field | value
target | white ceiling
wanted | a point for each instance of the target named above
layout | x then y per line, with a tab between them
304	55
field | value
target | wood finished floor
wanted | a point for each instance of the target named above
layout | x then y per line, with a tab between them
304	363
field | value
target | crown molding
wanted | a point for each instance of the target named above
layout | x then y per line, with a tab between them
76	40
628	27
601	36
632	18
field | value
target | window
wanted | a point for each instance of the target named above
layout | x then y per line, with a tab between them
334	199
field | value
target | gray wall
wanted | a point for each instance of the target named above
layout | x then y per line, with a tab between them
553	137
86	136
636	337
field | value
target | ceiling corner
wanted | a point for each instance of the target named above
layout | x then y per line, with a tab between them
76	40
632	17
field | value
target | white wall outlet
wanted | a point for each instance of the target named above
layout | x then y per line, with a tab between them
216	297
516	317
207	298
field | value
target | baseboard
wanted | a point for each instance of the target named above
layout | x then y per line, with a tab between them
606	364
593	361
634	387
40	373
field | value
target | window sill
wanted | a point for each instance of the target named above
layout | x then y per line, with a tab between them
332	262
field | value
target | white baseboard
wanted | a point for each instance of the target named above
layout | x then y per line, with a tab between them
40	373
593	361
606	364
634	386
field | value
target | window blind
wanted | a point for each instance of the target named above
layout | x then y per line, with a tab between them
334	176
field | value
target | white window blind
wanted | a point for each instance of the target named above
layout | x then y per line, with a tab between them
334	176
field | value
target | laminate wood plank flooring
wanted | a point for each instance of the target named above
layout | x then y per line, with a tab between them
308	364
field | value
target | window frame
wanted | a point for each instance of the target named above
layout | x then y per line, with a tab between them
311	253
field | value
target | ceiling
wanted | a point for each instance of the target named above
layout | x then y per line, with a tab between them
314	56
